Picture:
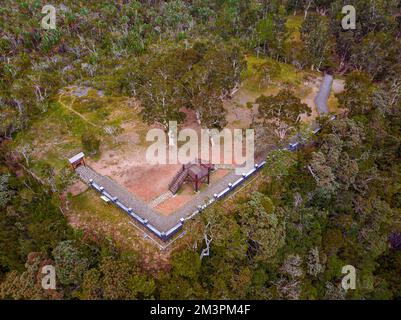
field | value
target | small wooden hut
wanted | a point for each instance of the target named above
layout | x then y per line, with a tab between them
77	160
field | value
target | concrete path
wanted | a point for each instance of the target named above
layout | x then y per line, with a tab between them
145	211
323	95
115	190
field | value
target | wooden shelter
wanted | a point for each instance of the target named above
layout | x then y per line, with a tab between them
196	172
77	160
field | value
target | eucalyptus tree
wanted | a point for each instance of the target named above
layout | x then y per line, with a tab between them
279	116
316	38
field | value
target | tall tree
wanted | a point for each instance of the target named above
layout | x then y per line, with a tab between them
159	86
377	54
210	81
358	96
263	226
315	34
279	116
271	34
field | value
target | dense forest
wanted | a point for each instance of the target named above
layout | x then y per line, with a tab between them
334	202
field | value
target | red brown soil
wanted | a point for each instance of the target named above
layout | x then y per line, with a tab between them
169	206
77	188
148	182
186	195
128	166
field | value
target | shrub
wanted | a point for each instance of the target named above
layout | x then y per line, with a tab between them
90	143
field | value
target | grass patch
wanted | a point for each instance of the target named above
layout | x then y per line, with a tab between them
282	75
293	25
53	136
90	212
332	103
56	135
89	206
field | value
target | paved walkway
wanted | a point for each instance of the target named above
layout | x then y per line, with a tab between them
145	211
114	189
323	95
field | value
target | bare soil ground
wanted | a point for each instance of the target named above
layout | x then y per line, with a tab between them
128	166
186	194
169	206
77	188
150	181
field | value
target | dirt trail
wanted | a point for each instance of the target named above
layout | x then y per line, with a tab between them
74	111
